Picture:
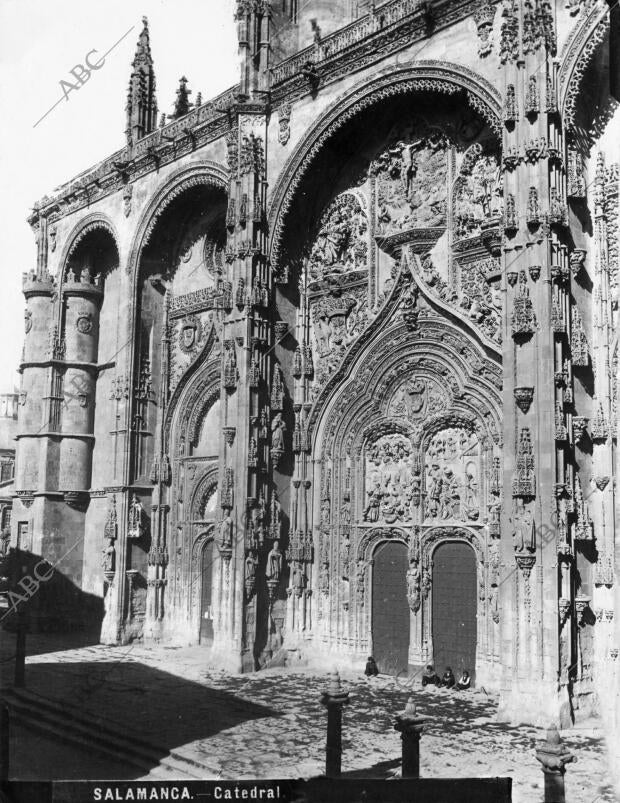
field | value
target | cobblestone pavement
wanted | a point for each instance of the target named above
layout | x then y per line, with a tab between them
271	724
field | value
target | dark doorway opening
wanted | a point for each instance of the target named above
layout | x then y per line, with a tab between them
454	608
390	609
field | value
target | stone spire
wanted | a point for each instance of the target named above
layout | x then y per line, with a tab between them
182	104
141	102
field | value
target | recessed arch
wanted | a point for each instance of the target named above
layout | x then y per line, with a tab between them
209	174
424	76
583	42
94	222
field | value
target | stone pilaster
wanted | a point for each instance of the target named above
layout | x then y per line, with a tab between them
534	532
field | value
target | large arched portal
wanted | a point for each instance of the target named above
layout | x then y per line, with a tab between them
390	610
454	607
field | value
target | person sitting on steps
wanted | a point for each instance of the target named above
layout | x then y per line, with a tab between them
448	680
430	677
464	681
371	667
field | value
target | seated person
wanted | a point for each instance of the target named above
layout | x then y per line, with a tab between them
371	667
430	677
448	680
464	681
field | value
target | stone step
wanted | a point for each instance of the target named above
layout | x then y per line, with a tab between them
73	727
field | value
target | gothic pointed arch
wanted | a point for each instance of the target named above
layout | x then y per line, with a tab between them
423	76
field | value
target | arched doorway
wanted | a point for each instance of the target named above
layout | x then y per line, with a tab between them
454	608
390	609
206	596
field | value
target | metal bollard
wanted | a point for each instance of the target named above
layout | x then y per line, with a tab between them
554	757
4	742
334	699
410	724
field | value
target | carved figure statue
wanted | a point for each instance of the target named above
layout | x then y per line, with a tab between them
108	556
250	569
298	580
372	508
226	531
278	428
470	503
434	492
274	563
524	529
413	585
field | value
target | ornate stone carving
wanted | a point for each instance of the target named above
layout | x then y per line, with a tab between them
411	177
250	567
108	558
524	482
599	428
251	157
190	332
532	97
392	477
127	195
511	220
509	38
484	14
580	426
583	525
414	586
136	526
284	119
451	476
341	244
523	319
27	320
277	389
110	529
230	373
273	569
578	342
538	26
478	193
278	428
524	397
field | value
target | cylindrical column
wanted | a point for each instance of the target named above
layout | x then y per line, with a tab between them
410	725
39	293
554	757
334	699
81	335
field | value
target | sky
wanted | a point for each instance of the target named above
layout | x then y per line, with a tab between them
41	41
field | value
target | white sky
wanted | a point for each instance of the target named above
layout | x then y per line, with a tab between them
40	42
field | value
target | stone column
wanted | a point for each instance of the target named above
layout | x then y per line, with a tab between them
246	356
410	725
334	699
554	757
534	346
82	299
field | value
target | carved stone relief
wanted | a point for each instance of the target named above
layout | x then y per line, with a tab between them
452	476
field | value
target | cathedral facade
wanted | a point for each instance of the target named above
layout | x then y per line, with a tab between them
326	367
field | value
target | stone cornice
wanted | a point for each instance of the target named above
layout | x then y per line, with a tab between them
163	146
352	48
364	42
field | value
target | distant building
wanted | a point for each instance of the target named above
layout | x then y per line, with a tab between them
327	366
8	430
